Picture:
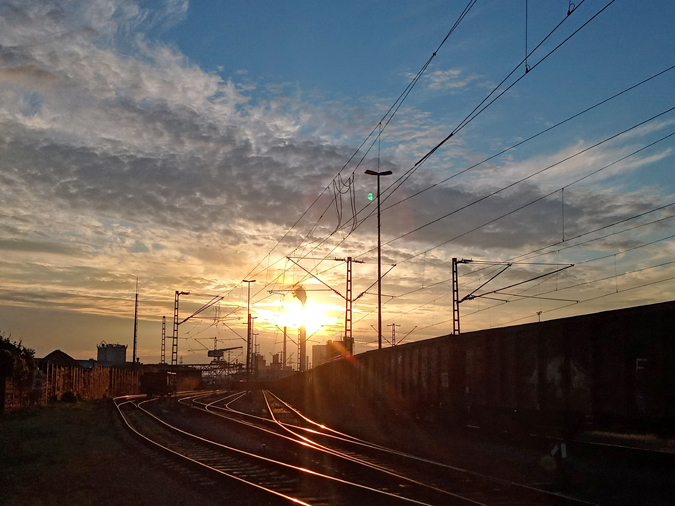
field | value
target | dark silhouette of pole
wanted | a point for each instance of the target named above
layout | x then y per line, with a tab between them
248	331
283	362
133	359
176	323
393	332
162	359
379	256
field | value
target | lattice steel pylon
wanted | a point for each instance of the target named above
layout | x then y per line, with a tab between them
349	299
455	298
162	359
349	339
174	343
133	360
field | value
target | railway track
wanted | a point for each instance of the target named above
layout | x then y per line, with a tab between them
366	463
271	481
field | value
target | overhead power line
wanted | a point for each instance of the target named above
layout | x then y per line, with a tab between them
511	185
384	121
568	119
477	110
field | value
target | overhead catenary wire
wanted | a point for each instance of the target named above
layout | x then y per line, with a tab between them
566	247
510	185
514	146
522	142
480	108
579	302
353	224
477	110
386	118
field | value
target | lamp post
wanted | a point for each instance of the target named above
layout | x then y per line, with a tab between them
379	256
248	332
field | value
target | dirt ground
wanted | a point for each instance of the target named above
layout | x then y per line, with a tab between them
78	454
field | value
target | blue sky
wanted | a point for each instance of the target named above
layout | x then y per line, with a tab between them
195	144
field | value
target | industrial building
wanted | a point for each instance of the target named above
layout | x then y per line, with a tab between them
322	353
112	354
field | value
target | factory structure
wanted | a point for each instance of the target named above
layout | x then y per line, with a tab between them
322	353
111	354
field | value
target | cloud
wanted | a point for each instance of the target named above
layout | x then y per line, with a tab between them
121	158
451	79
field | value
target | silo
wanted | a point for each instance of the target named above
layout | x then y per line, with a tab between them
116	354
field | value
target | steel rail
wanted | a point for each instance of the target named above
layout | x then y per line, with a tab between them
250	455
197	462
360	459
361	442
352	458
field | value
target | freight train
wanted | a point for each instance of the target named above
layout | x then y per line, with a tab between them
614	369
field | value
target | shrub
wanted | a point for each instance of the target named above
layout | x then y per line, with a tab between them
68	397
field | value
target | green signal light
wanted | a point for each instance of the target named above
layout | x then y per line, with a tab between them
370	196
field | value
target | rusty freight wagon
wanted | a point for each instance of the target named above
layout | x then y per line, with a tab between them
614	369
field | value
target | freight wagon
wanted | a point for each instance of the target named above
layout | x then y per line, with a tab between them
614	369
156	381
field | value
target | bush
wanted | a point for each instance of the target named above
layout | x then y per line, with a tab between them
68	397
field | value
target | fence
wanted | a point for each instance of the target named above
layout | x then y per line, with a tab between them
52	381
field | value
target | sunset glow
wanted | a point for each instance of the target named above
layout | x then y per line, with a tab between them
314	316
192	145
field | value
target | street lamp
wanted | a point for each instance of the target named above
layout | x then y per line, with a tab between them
379	256
248	331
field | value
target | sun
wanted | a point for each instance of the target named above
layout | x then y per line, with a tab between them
312	316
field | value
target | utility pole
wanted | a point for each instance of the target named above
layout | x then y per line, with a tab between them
174	343
284	358
162	359
248	332
135	325
300	294
349	339
393	333
254	352
303	348
455	298
379	256
349	299
500	291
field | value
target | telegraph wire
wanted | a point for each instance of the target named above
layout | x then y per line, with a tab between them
569	246
570	118
386	118
510	185
477	110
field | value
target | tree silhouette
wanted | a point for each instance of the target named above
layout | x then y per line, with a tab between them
17	363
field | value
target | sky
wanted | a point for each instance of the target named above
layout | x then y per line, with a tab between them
191	145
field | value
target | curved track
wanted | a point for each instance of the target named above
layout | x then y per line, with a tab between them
376	466
272	479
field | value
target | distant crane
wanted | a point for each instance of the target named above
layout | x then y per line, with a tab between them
220	352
